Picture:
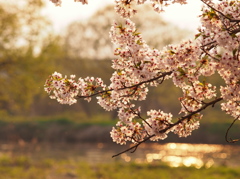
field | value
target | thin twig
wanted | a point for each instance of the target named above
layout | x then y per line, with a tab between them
133	148
138	114
209	53
132	93
226	135
127	87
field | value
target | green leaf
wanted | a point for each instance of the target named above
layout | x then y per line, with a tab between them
197	35
171	52
139	63
182	72
139	42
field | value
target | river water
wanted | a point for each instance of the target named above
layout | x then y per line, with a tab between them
174	154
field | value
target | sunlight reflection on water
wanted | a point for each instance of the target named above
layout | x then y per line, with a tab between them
173	154
195	155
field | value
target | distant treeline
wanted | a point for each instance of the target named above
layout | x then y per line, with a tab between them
65	131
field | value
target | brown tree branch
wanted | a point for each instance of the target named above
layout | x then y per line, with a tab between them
163	75
134	148
226	135
140	117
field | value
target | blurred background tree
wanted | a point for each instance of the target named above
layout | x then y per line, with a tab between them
28	53
89	39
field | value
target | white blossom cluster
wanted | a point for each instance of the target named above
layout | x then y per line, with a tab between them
65	90
137	66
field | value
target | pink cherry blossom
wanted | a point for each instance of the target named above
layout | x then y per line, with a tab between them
138	67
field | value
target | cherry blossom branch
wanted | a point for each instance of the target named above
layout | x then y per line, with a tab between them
140	117
235	31
185	63
212	103
203	49
163	75
94	94
235	21
230	19
187	117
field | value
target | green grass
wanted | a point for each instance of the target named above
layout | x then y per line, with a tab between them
24	167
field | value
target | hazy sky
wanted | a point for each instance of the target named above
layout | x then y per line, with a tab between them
185	16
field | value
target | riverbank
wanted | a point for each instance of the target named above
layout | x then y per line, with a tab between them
71	132
55	149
